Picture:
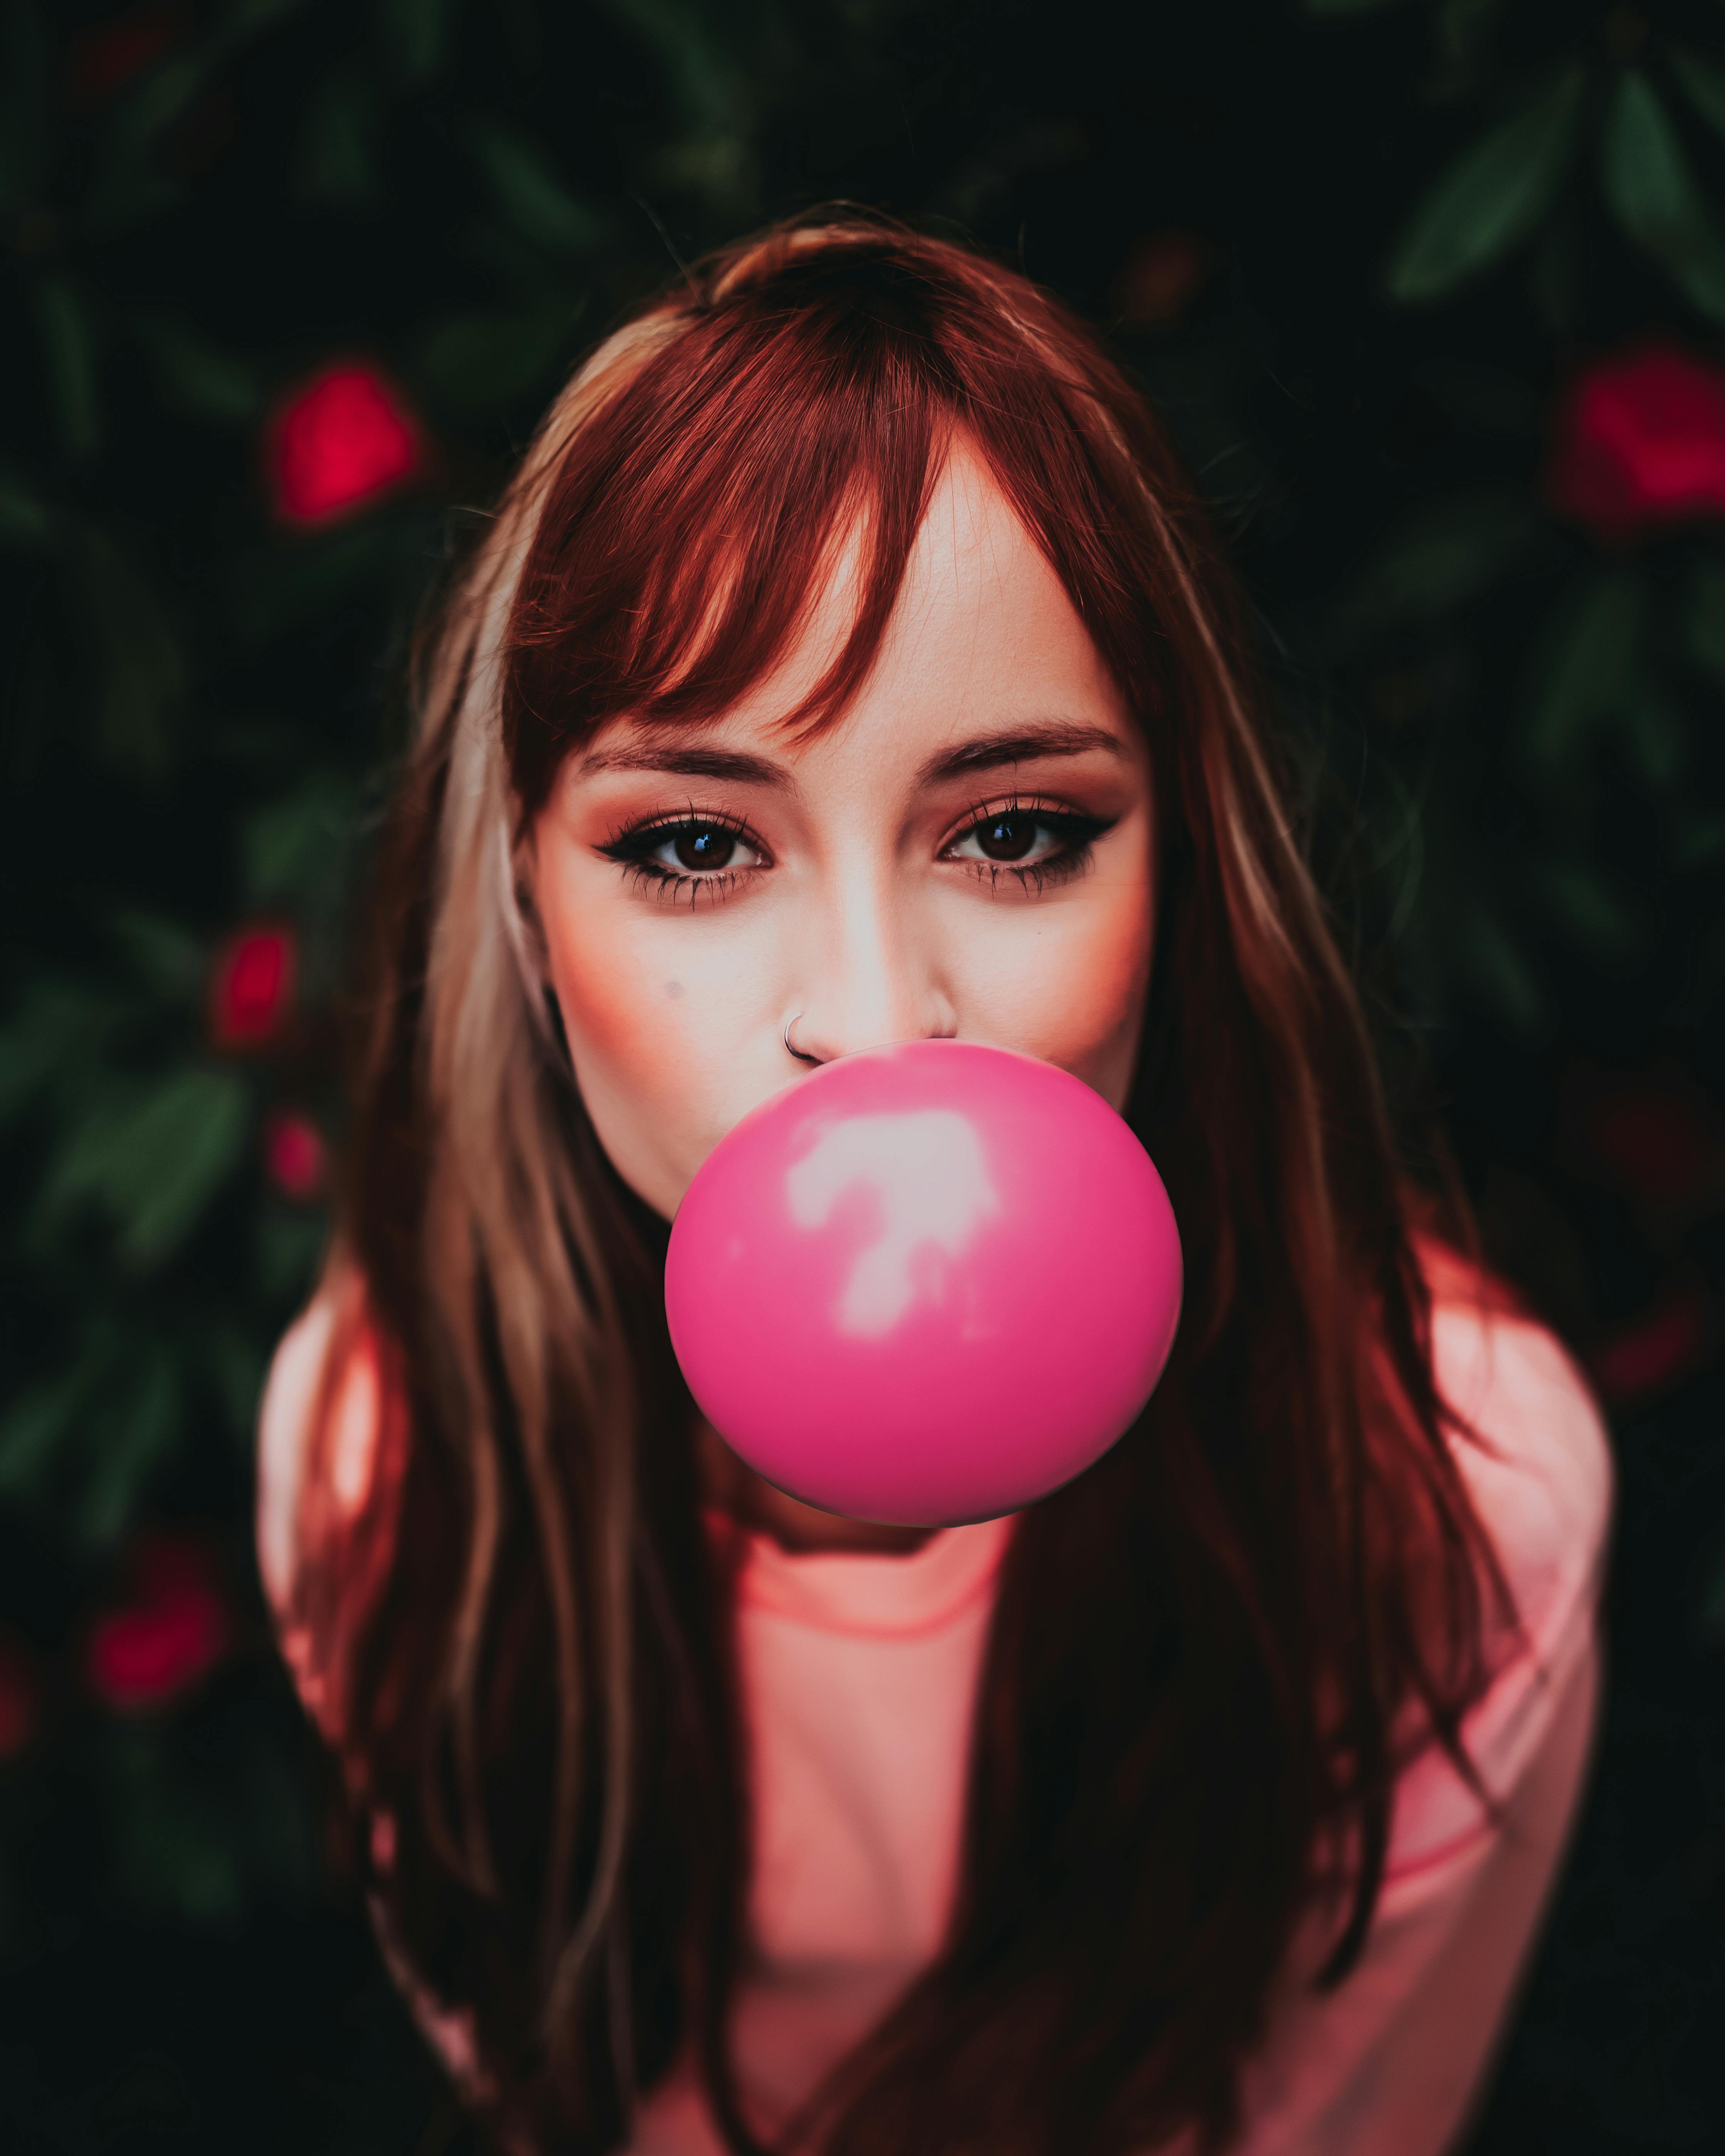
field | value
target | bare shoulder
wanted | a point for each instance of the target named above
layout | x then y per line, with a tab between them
323	1397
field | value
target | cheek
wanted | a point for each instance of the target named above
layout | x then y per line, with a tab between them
620	1025
652	1016
617	1016
1072	990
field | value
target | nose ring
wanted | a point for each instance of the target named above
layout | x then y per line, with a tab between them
796	1054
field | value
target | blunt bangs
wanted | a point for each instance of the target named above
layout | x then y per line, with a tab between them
809	404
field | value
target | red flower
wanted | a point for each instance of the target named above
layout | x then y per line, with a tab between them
18	1702
1668	1342
171	1633
294	1157
341	440
102	59
251	986
1640	444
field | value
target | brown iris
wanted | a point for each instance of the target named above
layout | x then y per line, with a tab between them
1007	838
704	846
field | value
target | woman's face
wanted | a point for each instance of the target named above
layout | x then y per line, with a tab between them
967	852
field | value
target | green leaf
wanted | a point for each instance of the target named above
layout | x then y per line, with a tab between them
134	1430
1493	961
708	90
169	959
198	1832
68	339
298	846
90	1440
1583	668
36	1426
289	1247
1653	194
194	376
1703	620
337	162
479	363
236	1368
720	165
58	1028
1491	198
126	188
152	1156
171	1836
142	673
1655	736
415	35
26	524
1588	911
1440	555
24	104
1702	82
526	188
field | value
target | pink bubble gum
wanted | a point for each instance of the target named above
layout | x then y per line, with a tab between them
926	1284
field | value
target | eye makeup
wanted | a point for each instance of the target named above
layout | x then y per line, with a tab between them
683	856
1037	842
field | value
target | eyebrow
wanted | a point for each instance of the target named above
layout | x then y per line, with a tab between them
688	760
987	751
684	759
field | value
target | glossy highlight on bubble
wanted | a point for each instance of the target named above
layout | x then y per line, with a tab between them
926	1284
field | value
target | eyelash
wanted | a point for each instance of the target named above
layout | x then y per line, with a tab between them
632	847
1078	834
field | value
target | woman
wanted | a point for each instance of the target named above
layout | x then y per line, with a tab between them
847	664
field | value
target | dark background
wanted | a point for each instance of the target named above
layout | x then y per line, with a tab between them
1373	261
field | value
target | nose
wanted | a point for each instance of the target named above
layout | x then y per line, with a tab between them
873	976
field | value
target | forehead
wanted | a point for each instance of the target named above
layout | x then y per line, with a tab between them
981	605
981	636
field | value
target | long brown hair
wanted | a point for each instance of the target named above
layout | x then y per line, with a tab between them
1212	1653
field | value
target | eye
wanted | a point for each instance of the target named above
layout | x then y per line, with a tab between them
693	847
688	854
1034	842
1009	835
1021	838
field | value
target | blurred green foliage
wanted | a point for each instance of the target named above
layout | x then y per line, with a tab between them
1522	714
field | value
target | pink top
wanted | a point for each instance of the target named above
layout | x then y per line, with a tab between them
859	1675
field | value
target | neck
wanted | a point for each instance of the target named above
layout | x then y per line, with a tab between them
755	1504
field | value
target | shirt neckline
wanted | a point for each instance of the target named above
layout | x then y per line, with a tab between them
873	1594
